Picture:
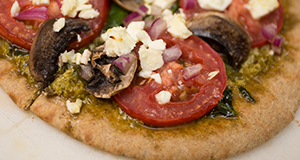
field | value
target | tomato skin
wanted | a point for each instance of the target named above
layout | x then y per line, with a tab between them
241	14
17	33
140	101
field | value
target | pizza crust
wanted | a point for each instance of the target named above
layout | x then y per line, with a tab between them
204	139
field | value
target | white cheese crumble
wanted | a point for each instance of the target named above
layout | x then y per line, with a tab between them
74	107
78	38
15	9
163	4
157	44
59	24
163	97
211	75
117	42
151	59
156	78
145	74
259	8
134	28
85	58
71	8
38	2
218	5
177	27
144	37
72	57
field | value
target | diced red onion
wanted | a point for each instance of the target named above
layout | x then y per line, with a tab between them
37	13
189	4
86	72
124	62
157	28
278	40
134	16
269	32
171	54
142	10
191	71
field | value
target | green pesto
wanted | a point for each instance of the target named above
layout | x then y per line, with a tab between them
69	84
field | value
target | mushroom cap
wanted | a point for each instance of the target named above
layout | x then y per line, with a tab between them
47	46
225	31
106	80
130	5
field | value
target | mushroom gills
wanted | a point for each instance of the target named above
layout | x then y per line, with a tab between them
47	46
130	5
106	80
224	35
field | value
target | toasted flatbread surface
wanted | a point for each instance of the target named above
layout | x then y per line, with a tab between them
101	126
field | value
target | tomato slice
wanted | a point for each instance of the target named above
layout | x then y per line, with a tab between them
20	34
241	14
139	100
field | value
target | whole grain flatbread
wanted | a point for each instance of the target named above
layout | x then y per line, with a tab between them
98	125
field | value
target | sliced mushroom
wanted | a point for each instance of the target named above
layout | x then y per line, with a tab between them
106	80
48	45
130	5
220	28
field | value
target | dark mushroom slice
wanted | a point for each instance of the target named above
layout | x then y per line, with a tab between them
48	45
220	28
106	80
130	5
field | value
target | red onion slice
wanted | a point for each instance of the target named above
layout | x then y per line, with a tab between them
86	72
269	32
158	27
142	10
172	54
37	14
124	62
191	71
189	4
134	16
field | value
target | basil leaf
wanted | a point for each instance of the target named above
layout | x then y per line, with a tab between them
116	16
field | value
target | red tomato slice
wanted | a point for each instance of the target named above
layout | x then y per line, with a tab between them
139	100
241	14
19	34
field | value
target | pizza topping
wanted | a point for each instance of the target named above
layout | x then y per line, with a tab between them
106	80
74	107
59	24
225	31
117	42
71	8
15	9
49	44
130	5
260	8
163	97
177	27
218	5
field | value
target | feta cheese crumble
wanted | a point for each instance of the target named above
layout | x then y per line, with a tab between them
117	42
177	27
259	8
15	9
74	107
217	5
59	24
163	97
71	8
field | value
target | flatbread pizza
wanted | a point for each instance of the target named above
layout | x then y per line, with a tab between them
262	106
